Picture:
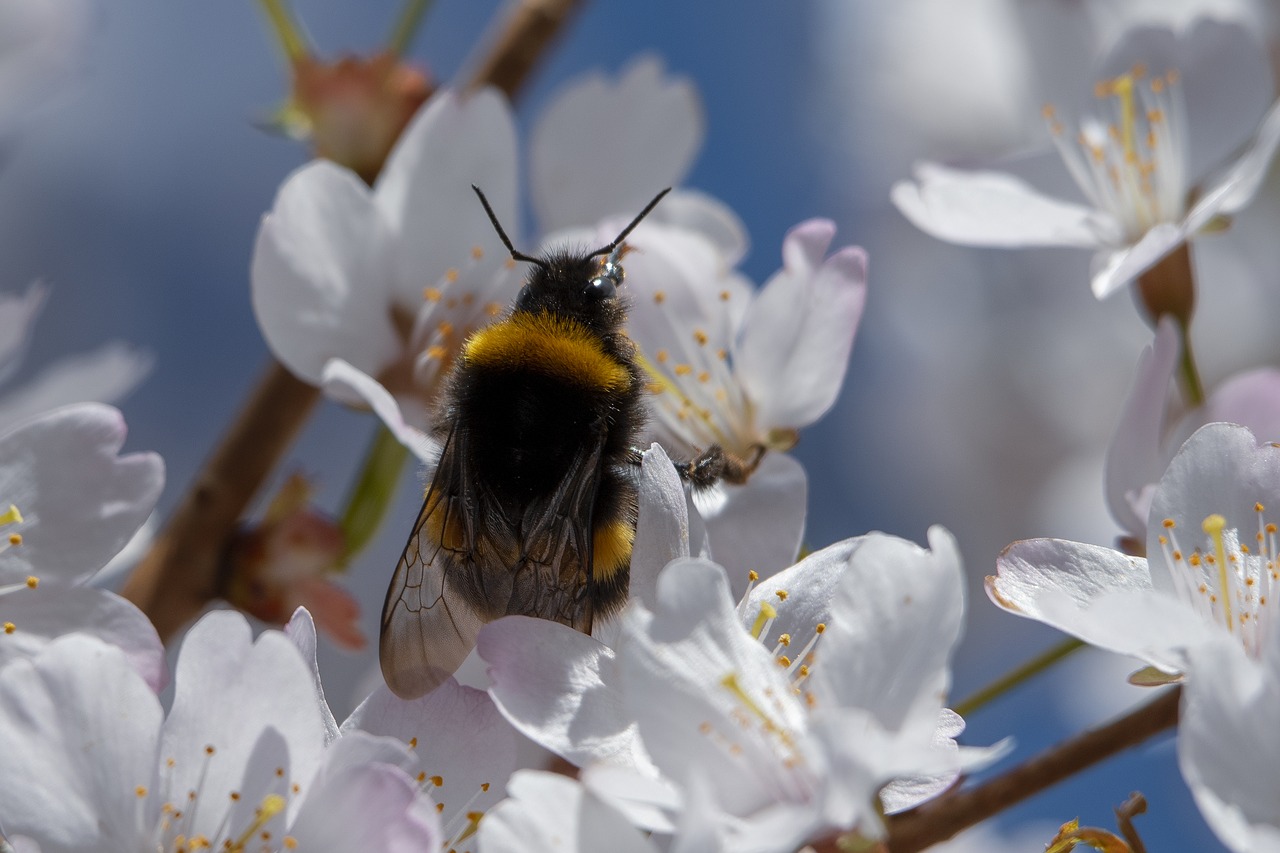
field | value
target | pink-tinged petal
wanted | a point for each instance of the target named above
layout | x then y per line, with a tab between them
456	140
696	211
80	500
41	615
550	812
603	148
662	527
369	807
797	335
349	383
1251	399
993	209
1239	182
1227	747
1134	458
322	274
301	631
898	614
104	375
80	730
227	688
1222	469
560	688
18	313
1111	269
757	526
458	738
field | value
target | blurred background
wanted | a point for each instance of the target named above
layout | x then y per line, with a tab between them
984	385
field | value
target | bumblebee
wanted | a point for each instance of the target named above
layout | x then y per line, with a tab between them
532	507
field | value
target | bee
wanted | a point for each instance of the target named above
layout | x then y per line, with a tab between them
532	506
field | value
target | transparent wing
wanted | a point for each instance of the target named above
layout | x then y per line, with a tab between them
427	628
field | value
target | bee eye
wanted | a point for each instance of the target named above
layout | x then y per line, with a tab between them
601	287
524	299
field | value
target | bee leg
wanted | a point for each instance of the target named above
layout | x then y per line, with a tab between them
713	465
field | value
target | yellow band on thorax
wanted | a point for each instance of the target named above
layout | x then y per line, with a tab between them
550	345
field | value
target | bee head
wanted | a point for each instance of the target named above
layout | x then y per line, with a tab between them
574	284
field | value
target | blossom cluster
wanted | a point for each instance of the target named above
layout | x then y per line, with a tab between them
752	694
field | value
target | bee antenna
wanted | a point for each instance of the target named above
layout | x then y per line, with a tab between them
625	231
506	241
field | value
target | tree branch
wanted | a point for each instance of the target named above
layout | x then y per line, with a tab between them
942	818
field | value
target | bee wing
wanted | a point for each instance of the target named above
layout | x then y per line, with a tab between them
552	578
427	629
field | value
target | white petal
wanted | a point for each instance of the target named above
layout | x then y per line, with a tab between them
1112	269
809	590
757	526
457	735
798	333
550	812
1239	183
1251	399
662	526
560	688
897	617
229	693
301	630
993	209
80	500
41	615
322	273
348	382
1134	459
104	375
1227	747
604	148
369	807
711	218
1222	469
456	140
80	730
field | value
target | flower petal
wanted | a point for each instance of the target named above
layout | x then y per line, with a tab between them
1112	269
551	812
696	211
18	314
559	687
458	736
993	209
228	689
80	730
757	526
367	807
41	615
1134	459
80	499
348	382
455	141
899	611
301	630
662	525
797	334
104	375
322	274
604	148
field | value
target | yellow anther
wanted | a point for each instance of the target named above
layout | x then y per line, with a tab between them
1168	524
33	582
15	538
9	627
784	661
413	742
438	781
701	337
724	296
782	594
784	639
140	791
484	786
1258	507
432	294
753	576
659	297
477	252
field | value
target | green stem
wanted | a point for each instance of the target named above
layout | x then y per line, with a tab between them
373	491
1012	679
407	27
291	38
1188	374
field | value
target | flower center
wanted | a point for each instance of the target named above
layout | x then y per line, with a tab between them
1226	580
1129	156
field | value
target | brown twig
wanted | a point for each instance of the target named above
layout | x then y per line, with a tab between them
181	572
942	818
